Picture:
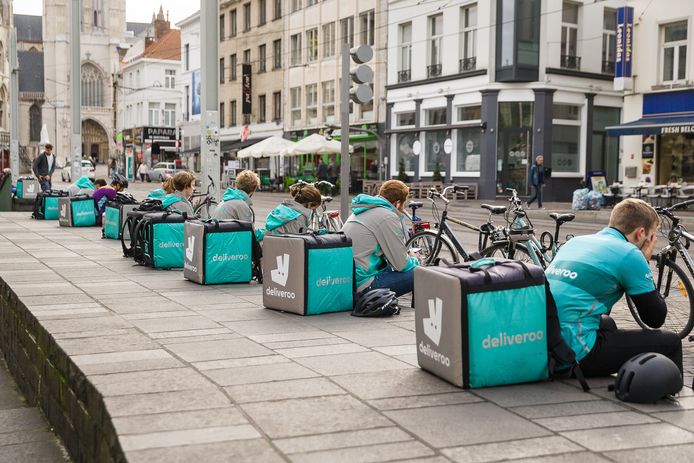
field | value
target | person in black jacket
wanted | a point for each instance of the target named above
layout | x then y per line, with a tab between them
44	166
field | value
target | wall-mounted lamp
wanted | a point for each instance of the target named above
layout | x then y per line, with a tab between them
539	129
483	127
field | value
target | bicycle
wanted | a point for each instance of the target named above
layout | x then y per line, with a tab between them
322	218
518	240
669	278
441	243
206	206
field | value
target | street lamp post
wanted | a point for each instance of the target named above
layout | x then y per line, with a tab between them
75	87
209	72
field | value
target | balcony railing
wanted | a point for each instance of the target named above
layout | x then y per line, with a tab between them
570	62
434	70
468	64
405	75
608	67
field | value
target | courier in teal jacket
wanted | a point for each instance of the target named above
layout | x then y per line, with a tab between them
83	186
179	189
377	230
294	215
236	203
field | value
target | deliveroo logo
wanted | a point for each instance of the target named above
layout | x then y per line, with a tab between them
281	273
432	325
190	249
31	188
63	211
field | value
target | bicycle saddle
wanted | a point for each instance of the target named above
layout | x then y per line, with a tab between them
494	209
562	218
414	205
326	199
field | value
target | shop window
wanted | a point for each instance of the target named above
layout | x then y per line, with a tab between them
405	119
404	142
436	116
434	153
566	148
468	150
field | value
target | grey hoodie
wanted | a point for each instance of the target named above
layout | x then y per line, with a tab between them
288	217
177	202
378	239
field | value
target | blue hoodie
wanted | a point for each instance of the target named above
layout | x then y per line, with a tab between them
159	193
377	232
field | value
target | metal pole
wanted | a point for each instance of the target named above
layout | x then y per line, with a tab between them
209	77
14	106
75	87
344	133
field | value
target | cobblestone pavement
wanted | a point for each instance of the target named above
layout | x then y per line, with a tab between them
191	372
25	436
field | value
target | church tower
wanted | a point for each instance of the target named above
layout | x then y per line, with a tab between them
103	31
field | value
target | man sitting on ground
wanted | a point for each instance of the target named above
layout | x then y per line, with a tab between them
377	231
591	273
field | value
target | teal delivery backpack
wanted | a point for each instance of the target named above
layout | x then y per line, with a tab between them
159	240
46	204
77	211
27	188
115	215
218	251
308	274
483	323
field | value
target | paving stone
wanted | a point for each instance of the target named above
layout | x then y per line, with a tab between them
42	289
629	437
182	312
568	409
280	390
343	364
163	402
292	336
373	453
193	419
339	440
305	343
665	454
474	423
247	451
34	452
683	419
81	325
259	374
31	301
141	382
420	401
21	419
188	437
407	349
298	352
242	362
24	437
101	344
380	337
511	450
162	324
394	383
165	336
240	312
217	350
595	420
534	394
574	457
268	326
289	418
226	335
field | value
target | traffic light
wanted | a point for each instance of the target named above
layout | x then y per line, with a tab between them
362	75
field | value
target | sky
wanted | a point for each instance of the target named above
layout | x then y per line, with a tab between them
135	10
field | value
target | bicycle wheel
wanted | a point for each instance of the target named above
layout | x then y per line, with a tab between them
675	287
502	249
206	209
432	247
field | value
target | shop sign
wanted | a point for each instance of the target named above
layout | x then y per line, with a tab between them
160	133
677	130
246	93
624	39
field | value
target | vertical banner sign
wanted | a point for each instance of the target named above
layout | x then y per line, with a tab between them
624	42
246	94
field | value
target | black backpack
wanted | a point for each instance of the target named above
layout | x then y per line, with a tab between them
134	217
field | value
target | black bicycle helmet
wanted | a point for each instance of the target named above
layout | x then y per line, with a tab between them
120	179
647	378
376	303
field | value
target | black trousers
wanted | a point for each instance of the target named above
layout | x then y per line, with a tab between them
614	347
537	194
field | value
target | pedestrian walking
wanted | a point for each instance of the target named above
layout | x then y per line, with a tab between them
537	180
43	167
143	171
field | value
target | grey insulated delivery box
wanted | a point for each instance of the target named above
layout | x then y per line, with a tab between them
308	274
77	211
27	188
218	252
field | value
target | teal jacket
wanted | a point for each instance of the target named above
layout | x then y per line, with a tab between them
83	186
177	202
237	205
288	217
159	193
377	231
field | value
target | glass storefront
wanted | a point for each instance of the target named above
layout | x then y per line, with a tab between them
514	141
404	142
605	154
433	150
468	150
675	158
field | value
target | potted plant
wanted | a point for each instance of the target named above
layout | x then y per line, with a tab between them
402	175
437	177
